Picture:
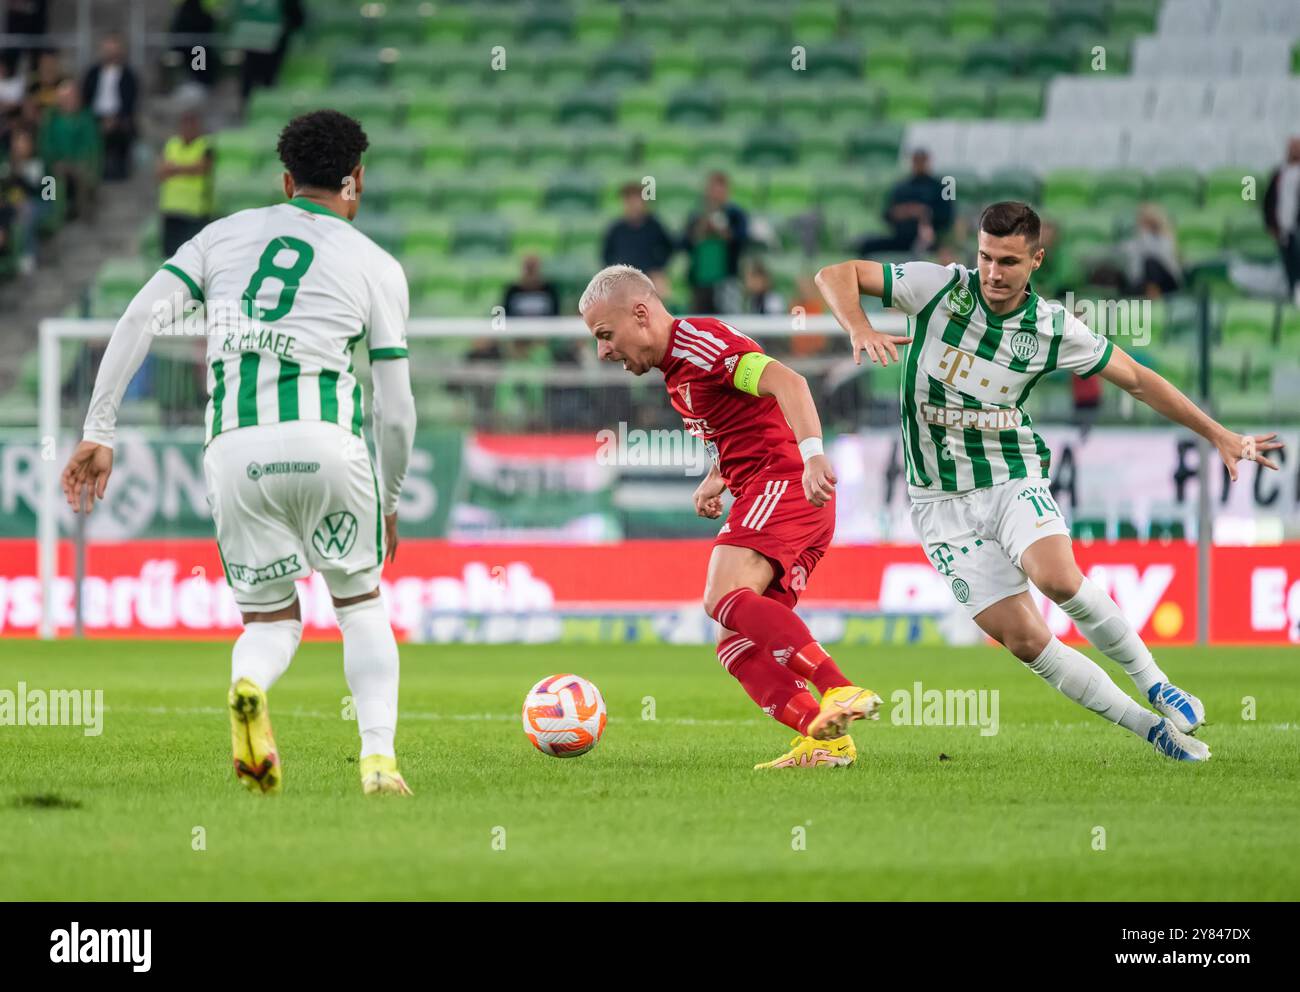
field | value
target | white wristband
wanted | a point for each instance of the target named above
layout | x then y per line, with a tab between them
810	446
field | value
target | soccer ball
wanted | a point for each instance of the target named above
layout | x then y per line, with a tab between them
564	715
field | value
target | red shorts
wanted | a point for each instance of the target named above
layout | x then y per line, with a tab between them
773	517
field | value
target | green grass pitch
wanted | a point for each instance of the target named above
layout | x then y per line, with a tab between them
661	809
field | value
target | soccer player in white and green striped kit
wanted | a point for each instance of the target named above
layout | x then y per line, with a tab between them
291	293
978	474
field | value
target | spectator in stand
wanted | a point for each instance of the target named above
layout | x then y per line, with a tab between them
26	17
49	77
760	297
23	181
262	29
1282	214
637	238
109	90
13	87
70	145
917	213
185	183
717	235
1152	255
531	296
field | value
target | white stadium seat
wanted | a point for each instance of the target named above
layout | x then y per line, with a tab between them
1089	97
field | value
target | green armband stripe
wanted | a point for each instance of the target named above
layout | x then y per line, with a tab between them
887	297
379	354
748	370
190	283
1101	362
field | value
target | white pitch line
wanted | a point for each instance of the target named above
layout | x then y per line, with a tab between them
510	718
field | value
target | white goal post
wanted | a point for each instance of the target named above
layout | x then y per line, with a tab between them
54	331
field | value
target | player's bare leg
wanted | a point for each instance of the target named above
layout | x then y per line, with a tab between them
261	655
1050	565
371	666
1016	624
733	595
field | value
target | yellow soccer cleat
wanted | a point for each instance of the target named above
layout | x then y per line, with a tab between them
257	763
379	775
805	752
840	707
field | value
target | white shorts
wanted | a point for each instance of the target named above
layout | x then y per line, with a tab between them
288	499
976	540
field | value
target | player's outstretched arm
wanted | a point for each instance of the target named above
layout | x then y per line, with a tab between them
159	303
1165	399
842	286
796	402
394	413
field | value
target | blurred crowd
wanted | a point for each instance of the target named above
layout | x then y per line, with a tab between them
61	137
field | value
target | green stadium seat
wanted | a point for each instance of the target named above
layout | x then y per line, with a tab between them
573	192
582	235
967	187
358	67
887	62
425	235
642	106
676	65
449	25
622	66
1024	20
1132	17
1081	17
696	107
1012	184
727	65
972	19
1120	189
602	151
425	110
800	103
1245	234
384	229
1224	188
1249	322
244	150
909	100
1069	189
1176	190
991	60
723	149
964	99
840	189
598	25
448	150
548	25
1199	234
875	144
940	58
771	147
849	106
1050	57
655	25
815	21
1017	99
457	193
790	191
588	109
122	277
480	234
305	70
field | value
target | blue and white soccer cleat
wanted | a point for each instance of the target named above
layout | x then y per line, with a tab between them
1183	708
1170	742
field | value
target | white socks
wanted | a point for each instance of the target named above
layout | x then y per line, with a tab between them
1081	679
370	664
1100	620
263	651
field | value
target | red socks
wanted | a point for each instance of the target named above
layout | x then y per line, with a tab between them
777	692
781	634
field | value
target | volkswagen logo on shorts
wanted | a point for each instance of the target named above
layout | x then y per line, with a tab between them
254	471
961	590
335	535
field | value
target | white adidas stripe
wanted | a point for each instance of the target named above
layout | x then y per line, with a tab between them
693	358
734	651
709	339
777	493
753	510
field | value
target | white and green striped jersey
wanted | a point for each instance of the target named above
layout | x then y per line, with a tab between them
291	291
967	374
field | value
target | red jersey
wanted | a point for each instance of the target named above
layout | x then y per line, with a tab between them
747	435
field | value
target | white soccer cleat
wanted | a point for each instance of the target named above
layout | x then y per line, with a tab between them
1172	743
1185	710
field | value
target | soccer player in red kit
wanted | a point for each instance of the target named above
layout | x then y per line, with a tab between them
757	419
